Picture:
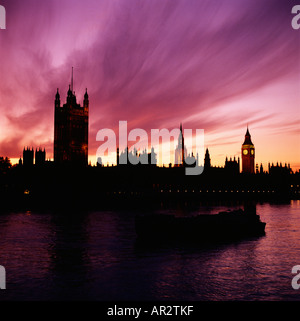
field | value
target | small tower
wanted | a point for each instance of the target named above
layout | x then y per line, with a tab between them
28	157
248	155
57	99
86	102
207	164
261	169
40	157
182	146
180	151
71	129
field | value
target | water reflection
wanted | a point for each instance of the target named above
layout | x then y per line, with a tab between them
94	256
24	252
69	254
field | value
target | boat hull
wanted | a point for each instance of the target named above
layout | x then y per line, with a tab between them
222	226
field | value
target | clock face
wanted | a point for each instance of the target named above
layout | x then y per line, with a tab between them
252	152
245	151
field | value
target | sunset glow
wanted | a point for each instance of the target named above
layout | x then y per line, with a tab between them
217	66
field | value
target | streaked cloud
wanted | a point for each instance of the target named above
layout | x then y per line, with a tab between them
153	63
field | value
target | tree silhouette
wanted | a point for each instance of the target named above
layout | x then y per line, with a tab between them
5	164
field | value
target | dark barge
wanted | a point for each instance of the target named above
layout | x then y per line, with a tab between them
228	225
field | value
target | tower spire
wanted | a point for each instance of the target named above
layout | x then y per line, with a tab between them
247	138
72	81
182	145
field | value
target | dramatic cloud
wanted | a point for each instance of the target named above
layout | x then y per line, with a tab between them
155	63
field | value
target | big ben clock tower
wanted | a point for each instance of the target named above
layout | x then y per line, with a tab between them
248	154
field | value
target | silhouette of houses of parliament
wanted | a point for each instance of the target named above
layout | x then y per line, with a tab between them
127	181
71	146
38	181
71	129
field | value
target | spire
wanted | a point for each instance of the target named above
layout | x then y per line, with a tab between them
69	91
247	132
182	145
207	159
180	137
86	96
57	96
247	138
72	81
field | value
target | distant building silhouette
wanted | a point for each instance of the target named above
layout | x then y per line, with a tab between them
99	162
71	129
207	163
279	169
180	151
248	154
133	157
118	156
28	156
261	169
232	165
191	160
40	157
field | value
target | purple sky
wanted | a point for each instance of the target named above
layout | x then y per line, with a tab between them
213	65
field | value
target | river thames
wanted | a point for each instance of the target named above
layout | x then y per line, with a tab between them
94	256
